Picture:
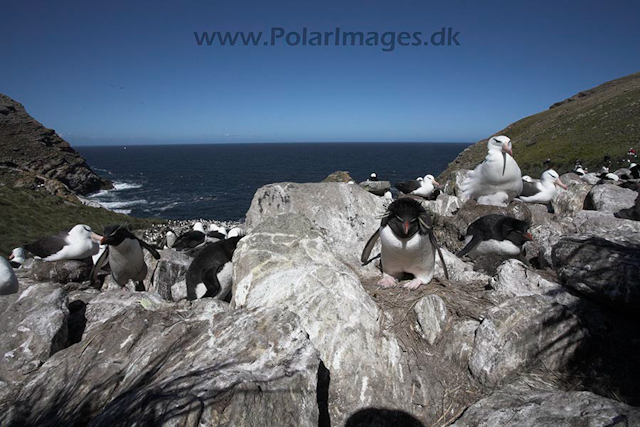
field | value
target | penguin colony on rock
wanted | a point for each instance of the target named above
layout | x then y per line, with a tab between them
408	244
121	253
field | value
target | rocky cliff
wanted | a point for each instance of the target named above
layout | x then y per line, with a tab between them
602	120
32	155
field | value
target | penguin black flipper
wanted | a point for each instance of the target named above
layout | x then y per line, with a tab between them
101	262
364	258
151	249
210	279
475	241
434	242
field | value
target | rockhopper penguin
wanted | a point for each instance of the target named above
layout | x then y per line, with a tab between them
408	245
212	267
496	235
124	255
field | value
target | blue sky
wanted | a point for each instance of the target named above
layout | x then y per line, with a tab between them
67	61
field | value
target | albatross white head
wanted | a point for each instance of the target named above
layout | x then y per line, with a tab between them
430	178
551	178
503	144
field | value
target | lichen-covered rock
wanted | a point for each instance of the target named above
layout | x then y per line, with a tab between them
34	326
513	278
61	271
376	187
604	224
570	201
590	178
459	346
170	270
338	176
458	178
432	317
606	269
521	333
459	271
610	198
169	367
632	213
443	205
518	405
345	215
284	262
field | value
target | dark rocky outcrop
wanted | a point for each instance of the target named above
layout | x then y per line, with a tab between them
530	403
603	268
62	271
36	155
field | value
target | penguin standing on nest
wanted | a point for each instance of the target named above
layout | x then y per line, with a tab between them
125	257
408	245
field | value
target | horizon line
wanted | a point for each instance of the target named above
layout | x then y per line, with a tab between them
137	144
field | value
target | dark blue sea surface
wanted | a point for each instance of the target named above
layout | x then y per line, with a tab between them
218	181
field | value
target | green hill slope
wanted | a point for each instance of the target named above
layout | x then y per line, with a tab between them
590	124
28	215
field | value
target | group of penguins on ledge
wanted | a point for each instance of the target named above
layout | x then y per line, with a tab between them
121	252
408	244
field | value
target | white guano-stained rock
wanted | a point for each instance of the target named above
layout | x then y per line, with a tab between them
432	317
285	263
34	327
174	367
345	215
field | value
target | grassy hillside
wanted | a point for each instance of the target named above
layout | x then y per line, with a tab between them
28	215
590	124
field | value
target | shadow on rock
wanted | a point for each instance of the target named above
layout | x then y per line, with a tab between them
376	417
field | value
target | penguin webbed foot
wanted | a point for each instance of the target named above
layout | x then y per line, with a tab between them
388	281
413	284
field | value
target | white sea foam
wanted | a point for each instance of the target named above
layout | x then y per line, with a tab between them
123	203
169	206
118	186
123	211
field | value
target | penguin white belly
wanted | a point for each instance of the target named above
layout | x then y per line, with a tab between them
224	276
127	262
8	280
415	255
491	246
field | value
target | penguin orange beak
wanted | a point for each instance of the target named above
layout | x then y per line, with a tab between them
405	227
561	184
528	236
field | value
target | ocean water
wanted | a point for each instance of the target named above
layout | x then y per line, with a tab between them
218	181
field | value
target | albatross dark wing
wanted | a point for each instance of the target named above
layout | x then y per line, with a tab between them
408	187
529	189
49	245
